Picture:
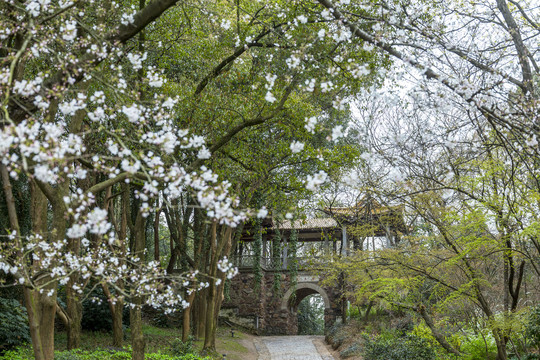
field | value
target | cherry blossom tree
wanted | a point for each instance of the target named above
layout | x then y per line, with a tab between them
74	125
88	118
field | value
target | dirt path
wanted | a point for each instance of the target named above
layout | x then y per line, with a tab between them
292	348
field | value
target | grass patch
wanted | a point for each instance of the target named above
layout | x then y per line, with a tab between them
159	340
156	331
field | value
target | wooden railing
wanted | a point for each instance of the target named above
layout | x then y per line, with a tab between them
268	263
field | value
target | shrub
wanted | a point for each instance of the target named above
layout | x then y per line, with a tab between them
388	346
21	353
527	357
479	347
179	348
532	329
353	312
92	355
26	354
160	320
354	349
14	329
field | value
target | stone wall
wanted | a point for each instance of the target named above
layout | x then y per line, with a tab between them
261	310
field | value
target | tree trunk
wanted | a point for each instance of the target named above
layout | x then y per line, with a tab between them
41	307
117	325
73	305
156	236
137	337
209	331
219	249
74	311
501	347
201	314
186	321
117	308
135	314
199	310
41	311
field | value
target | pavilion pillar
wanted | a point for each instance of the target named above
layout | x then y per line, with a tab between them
344	243
389	240
326	245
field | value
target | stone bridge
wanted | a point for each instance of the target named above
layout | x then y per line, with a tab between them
271	311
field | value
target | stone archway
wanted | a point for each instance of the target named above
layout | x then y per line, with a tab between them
289	305
302	290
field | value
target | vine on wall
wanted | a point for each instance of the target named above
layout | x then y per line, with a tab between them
276	259
293	265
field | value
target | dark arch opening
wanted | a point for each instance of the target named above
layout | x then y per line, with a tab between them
310	315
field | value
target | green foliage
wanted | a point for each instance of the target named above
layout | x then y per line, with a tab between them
533	327
13	324
25	353
311	316
94	355
180	348
527	357
479	347
353	312
388	346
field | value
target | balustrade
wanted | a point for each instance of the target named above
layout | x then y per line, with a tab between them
268	263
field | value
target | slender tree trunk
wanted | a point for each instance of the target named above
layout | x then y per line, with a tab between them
156	236
135	315
73	306
222	276
219	249
209	331
116	308
202	260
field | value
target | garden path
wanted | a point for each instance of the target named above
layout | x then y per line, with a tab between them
292	348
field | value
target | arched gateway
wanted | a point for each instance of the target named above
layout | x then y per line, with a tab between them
299	292
268	306
270	312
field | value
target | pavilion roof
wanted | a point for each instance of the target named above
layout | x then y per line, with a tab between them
317	223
